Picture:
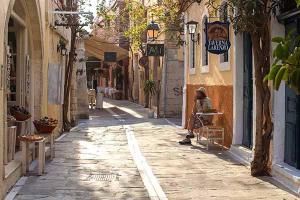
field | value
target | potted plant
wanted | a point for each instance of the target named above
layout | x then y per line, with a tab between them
20	113
10	120
45	125
150	89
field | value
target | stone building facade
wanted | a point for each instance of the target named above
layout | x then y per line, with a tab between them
166	71
31	72
212	71
82	105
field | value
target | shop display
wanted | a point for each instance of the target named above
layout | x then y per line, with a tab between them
20	113
45	125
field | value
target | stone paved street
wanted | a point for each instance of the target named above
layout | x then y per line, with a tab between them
94	161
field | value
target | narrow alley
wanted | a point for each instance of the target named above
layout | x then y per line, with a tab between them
121	154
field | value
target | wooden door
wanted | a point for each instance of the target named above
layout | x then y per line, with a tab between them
248	92
292	113
292	129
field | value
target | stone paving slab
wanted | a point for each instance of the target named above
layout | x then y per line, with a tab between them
192	172
92	162
97	149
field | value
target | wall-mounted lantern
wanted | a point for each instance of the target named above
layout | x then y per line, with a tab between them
192	28
153	30
61	48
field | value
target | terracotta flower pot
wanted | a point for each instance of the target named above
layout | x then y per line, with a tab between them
19	116
41	128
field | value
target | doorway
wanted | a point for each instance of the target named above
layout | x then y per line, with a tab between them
247	92
292	114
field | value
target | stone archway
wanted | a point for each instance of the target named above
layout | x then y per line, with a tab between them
36	52
34	31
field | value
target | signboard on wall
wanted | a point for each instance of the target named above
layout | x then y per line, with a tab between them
110	56
55	84
143	61
155	49
217	37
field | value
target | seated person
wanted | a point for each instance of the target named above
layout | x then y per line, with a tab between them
201	104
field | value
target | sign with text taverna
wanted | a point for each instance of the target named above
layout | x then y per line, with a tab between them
217	37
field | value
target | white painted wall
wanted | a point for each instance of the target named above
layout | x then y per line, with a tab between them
284	173
238	91
279	125
278	105
185	68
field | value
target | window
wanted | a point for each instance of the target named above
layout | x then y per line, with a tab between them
191	53
204	49
224	17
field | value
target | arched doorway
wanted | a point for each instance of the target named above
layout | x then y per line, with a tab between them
23	58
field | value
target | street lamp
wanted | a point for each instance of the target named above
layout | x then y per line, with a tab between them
153	30
192	27
64	51
61	47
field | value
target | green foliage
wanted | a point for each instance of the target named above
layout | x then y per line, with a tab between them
137	15
286	66
150	87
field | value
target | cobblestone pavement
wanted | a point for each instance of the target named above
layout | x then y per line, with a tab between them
94	162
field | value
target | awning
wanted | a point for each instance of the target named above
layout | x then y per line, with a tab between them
96	47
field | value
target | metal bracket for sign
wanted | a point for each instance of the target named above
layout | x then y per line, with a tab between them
70	12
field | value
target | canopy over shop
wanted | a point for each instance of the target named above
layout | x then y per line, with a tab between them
109	76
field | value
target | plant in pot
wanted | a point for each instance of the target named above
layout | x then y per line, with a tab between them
150	89
45	125
10	120
20	113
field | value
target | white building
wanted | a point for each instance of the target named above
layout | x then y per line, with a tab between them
285	107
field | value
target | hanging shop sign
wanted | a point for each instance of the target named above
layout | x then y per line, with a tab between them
217	37
110	56
155	49
143	61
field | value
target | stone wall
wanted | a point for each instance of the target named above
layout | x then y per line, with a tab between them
81	83
41	49
172	79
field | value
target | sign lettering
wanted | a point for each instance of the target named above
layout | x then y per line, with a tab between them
155	49
110	56
217	37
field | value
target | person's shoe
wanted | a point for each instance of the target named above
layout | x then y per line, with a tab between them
185	141
190	135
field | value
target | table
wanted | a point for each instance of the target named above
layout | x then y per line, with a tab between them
49	137
41	156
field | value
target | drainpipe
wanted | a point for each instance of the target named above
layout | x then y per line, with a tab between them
184	103
165	81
